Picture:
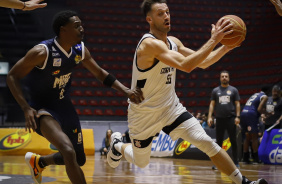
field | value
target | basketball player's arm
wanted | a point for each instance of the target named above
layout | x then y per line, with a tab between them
278	6
212	58
158	49
28	5
211	109
261	108
134	95
34	57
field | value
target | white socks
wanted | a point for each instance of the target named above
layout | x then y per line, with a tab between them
128	154
236	176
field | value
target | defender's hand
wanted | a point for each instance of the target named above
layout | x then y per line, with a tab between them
30	115
135	95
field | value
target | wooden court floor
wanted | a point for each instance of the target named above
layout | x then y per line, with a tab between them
13	170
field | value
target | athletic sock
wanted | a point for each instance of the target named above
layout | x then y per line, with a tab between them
42	162
236	177
128	153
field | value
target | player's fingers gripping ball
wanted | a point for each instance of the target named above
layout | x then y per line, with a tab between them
239	31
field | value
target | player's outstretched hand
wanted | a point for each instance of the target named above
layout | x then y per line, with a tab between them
135	95
33	4
222	28
30	115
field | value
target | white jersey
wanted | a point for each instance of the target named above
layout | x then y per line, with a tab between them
158	86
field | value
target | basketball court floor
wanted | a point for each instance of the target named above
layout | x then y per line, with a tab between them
13	170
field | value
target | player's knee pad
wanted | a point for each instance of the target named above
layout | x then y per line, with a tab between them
207	145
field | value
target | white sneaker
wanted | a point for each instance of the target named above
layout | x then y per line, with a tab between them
113	156
259	181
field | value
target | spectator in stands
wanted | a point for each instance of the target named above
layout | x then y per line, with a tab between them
106	142
250	115
278	6
204	119
225	100
48	67
274	109
198	116
25	6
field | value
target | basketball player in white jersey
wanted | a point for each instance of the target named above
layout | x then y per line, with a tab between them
154	71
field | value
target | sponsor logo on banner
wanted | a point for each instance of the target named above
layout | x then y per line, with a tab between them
226	144
15	140
163	145
184	145
275	156
277	139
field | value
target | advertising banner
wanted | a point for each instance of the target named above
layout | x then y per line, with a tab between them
270	149
16	141
163	146
185	149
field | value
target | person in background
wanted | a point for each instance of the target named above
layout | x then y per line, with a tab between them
225	100
25	6
273	109
254	107
106	142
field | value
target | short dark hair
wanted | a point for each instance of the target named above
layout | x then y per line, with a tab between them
276	88
147	5
224	71
61	19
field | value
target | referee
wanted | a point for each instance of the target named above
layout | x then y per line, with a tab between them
225	101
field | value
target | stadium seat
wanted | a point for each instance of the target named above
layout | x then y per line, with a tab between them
87	112
82	102
120	112
98	112
103	103
88	93
93	102
109	112
78	111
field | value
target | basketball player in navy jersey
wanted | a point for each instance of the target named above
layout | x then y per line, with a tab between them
48	70
254	107
157	57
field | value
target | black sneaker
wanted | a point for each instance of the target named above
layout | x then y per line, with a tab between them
259	181
113	156
214	167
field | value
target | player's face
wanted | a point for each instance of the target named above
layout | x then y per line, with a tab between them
160	17
74	30
275	93
224	78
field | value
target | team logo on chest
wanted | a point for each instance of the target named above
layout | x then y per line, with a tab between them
228	92
77	59
166	70
57	62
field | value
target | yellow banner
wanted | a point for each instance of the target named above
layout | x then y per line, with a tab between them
16	141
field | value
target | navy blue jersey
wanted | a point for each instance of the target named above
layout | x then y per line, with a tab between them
253	103
53	80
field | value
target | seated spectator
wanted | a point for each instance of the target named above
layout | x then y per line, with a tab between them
106	142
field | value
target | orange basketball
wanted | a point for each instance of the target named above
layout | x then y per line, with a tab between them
239	31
